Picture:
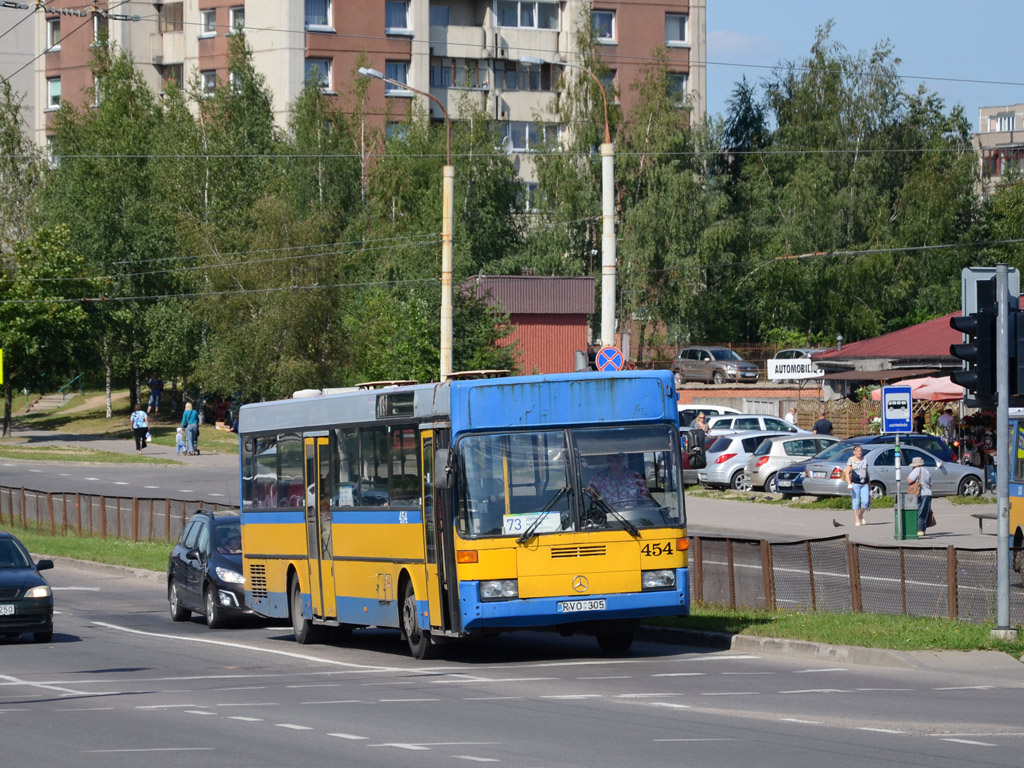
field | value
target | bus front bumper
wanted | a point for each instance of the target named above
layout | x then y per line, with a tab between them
570	609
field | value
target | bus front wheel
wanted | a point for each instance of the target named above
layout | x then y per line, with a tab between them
306	632
615	643
418	638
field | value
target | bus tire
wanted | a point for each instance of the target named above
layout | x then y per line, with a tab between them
418	639
306	632
615	643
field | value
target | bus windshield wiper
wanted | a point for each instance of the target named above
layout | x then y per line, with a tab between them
528	533
608	509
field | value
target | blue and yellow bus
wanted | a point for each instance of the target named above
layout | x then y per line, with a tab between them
467	507
1016	464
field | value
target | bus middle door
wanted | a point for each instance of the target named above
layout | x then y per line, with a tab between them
432	535
319	529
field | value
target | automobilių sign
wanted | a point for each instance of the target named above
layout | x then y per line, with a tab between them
798	368
897	409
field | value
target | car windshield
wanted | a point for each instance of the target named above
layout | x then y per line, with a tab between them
725	354
228	537
12	555
512	483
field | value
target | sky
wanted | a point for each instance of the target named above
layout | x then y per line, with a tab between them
941	44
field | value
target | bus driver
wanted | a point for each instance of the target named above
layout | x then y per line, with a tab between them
618	482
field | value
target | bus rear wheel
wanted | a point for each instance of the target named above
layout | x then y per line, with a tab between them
306	632
418	638
615	643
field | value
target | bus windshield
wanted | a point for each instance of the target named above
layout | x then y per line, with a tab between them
568	480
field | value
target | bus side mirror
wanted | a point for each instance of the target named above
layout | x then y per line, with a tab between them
444	468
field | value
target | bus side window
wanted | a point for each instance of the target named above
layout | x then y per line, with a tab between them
1018	454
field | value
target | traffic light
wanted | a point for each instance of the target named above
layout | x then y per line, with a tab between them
979	376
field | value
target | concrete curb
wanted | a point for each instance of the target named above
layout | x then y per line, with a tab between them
124	571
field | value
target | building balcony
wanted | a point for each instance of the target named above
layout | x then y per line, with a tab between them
458	42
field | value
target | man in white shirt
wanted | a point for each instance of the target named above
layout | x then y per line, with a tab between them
791	416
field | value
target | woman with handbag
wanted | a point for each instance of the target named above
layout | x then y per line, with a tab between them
920	483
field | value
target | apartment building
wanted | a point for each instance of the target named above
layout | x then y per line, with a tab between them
999	143
506	55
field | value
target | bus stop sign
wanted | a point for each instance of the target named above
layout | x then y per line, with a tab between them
897	409
609	359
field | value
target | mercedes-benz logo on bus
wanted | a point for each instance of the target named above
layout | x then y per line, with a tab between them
580	584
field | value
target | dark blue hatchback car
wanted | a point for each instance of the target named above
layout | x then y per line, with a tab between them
26	601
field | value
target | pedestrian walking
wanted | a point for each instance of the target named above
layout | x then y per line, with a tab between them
156	392
140	426
920	482
791	416
190	423
822	426
701	422
857	480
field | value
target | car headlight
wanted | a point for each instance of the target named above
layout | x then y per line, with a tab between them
661	579
499	589
41	591
231	577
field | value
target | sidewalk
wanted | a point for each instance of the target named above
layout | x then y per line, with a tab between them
758	519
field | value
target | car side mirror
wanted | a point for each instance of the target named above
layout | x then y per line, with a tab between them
193	554
44	565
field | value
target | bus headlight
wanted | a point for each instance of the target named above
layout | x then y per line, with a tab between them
499	589
660	579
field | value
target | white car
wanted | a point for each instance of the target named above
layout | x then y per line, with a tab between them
689	411
746	422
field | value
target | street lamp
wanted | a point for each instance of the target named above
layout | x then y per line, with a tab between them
447	197
608	256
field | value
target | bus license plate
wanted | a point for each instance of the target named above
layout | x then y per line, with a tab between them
6	610
575	606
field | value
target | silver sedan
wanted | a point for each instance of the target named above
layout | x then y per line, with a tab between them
825	478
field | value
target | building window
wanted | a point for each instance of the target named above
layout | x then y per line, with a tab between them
396	70
209	81
457	73
318	14
523	136
675	29
396	131
236	20
1004	122
171	73
396	16
53	92
99	29
208	23
513	13
318	71
440	15
677	82
53	34
604	26
171	17
522	76
528	196
52	159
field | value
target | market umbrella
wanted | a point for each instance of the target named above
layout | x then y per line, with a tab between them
940	389
914	384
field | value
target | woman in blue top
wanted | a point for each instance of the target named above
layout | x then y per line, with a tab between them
190	423
140	426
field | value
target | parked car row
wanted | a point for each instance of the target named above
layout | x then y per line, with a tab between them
805	464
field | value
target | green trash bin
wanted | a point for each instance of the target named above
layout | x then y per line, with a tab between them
906	521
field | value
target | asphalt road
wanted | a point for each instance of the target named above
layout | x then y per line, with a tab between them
122	685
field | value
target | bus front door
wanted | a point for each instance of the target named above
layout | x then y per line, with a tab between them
319	531
432	534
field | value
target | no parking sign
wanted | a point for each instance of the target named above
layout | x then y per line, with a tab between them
609	359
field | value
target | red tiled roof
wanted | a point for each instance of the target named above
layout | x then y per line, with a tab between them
928	339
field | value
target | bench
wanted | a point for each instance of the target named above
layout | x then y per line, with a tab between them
982	517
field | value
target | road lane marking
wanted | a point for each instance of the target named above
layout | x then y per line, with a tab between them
644	695
493	698
338	701
245	719
607	677
972	743
818	690
120	482
216	494
680	674
293	727
802	722
350	736
47	687
878	690
244	647
75	589
200	712
247	704
426	745
151	487
477	759
878	730
696	739
731	693
401	746
749	673
966	688
809	671
405	701
670	705
162	706
82	709
573	696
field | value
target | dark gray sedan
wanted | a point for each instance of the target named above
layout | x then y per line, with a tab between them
26	601
825	478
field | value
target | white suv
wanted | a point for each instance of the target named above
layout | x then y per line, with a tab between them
745	422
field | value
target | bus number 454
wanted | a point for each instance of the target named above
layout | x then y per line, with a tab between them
656	550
